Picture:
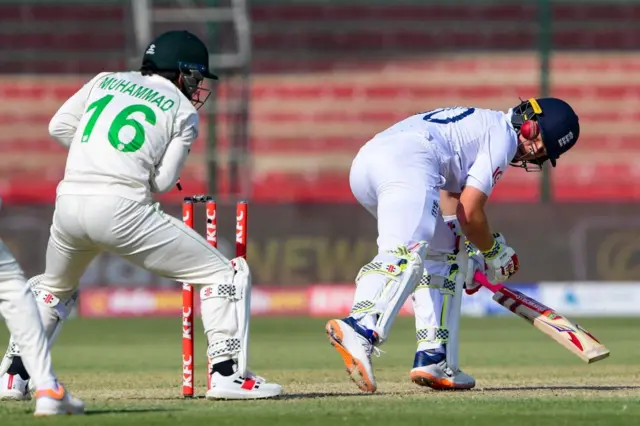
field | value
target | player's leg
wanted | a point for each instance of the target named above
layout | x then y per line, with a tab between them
436	304
404	197
68	254
12	368
18	308
20	311
167	247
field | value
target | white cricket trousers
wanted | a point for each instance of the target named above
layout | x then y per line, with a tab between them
19	310
85	225
398	179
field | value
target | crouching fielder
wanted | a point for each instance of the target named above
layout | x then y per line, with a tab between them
397	176
129	134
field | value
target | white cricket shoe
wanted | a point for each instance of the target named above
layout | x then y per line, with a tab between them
56	401
355	344
237	387
432	370
14	388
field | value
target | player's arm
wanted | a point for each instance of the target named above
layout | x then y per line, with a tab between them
65	121
472	218
449	203
167	171
491	163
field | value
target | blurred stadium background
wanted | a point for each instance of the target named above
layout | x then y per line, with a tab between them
304	84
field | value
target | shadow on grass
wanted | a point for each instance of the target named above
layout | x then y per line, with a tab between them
129	411
316	395
287	396
560	387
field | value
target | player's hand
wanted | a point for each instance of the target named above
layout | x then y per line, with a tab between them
501	261
475	256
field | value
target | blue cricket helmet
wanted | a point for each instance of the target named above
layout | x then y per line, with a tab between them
558	123
559	127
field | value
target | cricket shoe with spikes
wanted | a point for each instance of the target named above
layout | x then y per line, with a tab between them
57	401
355	344
14	388
431	369
231	384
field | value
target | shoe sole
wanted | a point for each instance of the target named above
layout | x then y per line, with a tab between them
66	413
238	396
355	369
15	397
422	378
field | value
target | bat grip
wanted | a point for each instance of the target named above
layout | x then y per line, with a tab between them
482	279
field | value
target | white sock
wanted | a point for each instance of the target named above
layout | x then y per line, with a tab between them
49	384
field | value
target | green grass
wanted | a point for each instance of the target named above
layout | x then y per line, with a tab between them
128	371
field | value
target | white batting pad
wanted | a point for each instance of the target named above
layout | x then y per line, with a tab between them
399	287
242	281
453	315
432	301
226	313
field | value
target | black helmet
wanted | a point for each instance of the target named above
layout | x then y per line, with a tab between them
183	52
557	121
177	50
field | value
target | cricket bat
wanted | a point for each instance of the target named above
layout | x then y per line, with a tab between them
570	335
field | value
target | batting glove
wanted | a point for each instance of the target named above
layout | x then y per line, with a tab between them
501	261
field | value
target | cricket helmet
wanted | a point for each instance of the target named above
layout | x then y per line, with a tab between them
185	53
554	120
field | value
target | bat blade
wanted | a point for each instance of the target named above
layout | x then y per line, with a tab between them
567	333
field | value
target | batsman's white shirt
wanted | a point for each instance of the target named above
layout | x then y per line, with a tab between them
128	135
398	174
472	146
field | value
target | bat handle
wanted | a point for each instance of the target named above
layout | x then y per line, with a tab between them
482	279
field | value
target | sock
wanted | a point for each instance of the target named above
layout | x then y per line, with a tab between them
225	368
17	368
49	384
369	321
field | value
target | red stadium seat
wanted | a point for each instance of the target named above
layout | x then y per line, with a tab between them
313	105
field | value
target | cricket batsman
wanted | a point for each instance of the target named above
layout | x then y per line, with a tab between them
129	134
398	176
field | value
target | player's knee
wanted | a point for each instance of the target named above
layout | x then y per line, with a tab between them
59	288
230	284
52	296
